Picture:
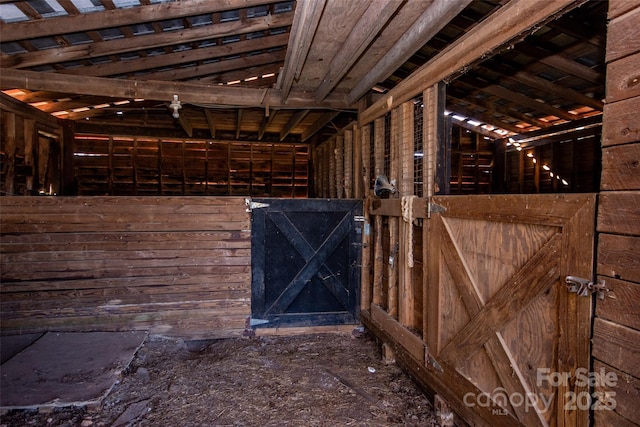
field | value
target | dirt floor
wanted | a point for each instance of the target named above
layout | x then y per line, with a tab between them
311	380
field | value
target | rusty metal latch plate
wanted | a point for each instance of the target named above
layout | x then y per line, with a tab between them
584	287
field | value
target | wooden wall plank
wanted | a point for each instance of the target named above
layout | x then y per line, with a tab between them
619	257
620	305
623	78
619	213
621	125
116	263
621	167
623	35
617	346
619	393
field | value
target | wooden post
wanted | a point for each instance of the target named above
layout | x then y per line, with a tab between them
378	260
358	191
348	163
430	145
407	302
340	169
9	143
332	169
394	222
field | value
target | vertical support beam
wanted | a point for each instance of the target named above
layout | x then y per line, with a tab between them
184	171
340	168
364	171
358	191
29	140
348	163
207	144
378	261
160	167
394	222
332	169
69	185
406	311
134	166
430	291
110	168
443	132
9	145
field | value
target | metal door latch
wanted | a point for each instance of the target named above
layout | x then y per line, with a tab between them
585	287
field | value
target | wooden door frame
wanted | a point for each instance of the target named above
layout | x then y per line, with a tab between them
429	361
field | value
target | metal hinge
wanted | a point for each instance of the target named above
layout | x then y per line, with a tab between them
254	205
585	287
358	218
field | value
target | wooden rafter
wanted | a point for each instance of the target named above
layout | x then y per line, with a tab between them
295	120
177	58
118	17
138	43
162	91
515	19
305	23
439	13
319	124
362	34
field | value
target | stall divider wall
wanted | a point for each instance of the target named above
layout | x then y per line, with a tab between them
176	266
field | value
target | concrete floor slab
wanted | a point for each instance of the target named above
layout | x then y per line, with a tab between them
65	369
10	345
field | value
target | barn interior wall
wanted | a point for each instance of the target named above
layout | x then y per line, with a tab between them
177	266
616	329
34	150
134	165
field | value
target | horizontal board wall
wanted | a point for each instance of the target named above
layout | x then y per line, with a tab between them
616	330
133	165
177	266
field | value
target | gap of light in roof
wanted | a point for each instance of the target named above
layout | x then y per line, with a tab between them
88	6
48	8
10	13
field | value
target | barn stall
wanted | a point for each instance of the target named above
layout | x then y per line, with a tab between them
501	158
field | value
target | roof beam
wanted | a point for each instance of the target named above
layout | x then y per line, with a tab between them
515	20
118	17
223	66
362	34
266	121
177	58
319	124
239	122
305	24
210	122
123	45
209	95
432	20
295	120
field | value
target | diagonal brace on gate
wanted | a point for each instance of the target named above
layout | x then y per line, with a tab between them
314	261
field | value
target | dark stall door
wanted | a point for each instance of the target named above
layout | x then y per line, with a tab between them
305	262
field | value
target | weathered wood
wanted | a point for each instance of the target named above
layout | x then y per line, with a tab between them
618	213
427	25
623	78
620	305
618	7
618	394
621	124
617	345
304	27
403	336
193	93
362	34
619	257
621	167
112	263
513	20
623	35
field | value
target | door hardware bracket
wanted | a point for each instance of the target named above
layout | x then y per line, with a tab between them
584	287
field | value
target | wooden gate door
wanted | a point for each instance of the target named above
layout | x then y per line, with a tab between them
305	262
508	340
